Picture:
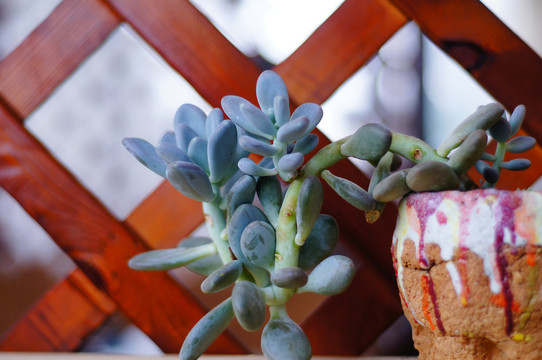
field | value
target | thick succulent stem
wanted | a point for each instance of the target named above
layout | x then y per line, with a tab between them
216	223
414	149
278	312
325	158
500	151
287	251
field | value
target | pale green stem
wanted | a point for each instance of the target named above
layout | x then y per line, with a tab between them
287	251
216	223
414	149
500	151
278	312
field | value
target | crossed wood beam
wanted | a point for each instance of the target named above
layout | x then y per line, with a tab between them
100	244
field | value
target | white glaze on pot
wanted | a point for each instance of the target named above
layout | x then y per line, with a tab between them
481	221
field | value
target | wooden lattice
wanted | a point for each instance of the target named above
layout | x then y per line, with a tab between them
101	245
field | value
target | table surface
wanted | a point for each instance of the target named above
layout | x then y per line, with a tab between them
92	356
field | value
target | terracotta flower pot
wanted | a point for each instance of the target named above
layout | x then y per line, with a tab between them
469	272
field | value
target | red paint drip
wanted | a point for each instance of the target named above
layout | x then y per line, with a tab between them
441	218
509	201
428	289
425	206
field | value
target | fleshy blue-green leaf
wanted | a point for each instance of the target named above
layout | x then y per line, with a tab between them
249	167
320	242
293	130
168	137
306	144
258	243
248	305
392	187
432	176
268	87
193	117
232	107
242	192
291	162
204	266
269	193
466	155
520	144
146	154
197	150
516	164
490	174
214	119
349	191
171	153
312	111
283	339
184	135
370	142
223	277
332	276
244	215
483	118
256	146
165	259
282	110
260	121
309	204
500	131
289	278
205	332
516	119
221	150
190	180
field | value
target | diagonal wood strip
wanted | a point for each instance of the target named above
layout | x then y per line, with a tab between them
52	52
338	48
96	241
65	316
193	46
496	57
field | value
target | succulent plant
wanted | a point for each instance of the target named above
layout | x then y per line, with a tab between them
267	237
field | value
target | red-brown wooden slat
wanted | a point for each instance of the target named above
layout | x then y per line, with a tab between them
348	323
62	319
192	46
52	52
165	217
497	58
97	242
339	47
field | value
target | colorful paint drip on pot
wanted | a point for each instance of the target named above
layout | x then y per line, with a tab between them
480	221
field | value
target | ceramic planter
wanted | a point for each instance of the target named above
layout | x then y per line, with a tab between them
469	272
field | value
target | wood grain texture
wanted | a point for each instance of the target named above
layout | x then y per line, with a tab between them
52	52
62	318
97	242
496	57
346	41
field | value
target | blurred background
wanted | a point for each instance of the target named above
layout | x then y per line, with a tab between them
110	97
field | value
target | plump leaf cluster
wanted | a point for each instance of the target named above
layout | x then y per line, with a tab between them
443	168
268	239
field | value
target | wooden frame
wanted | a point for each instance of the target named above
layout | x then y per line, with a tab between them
465	29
